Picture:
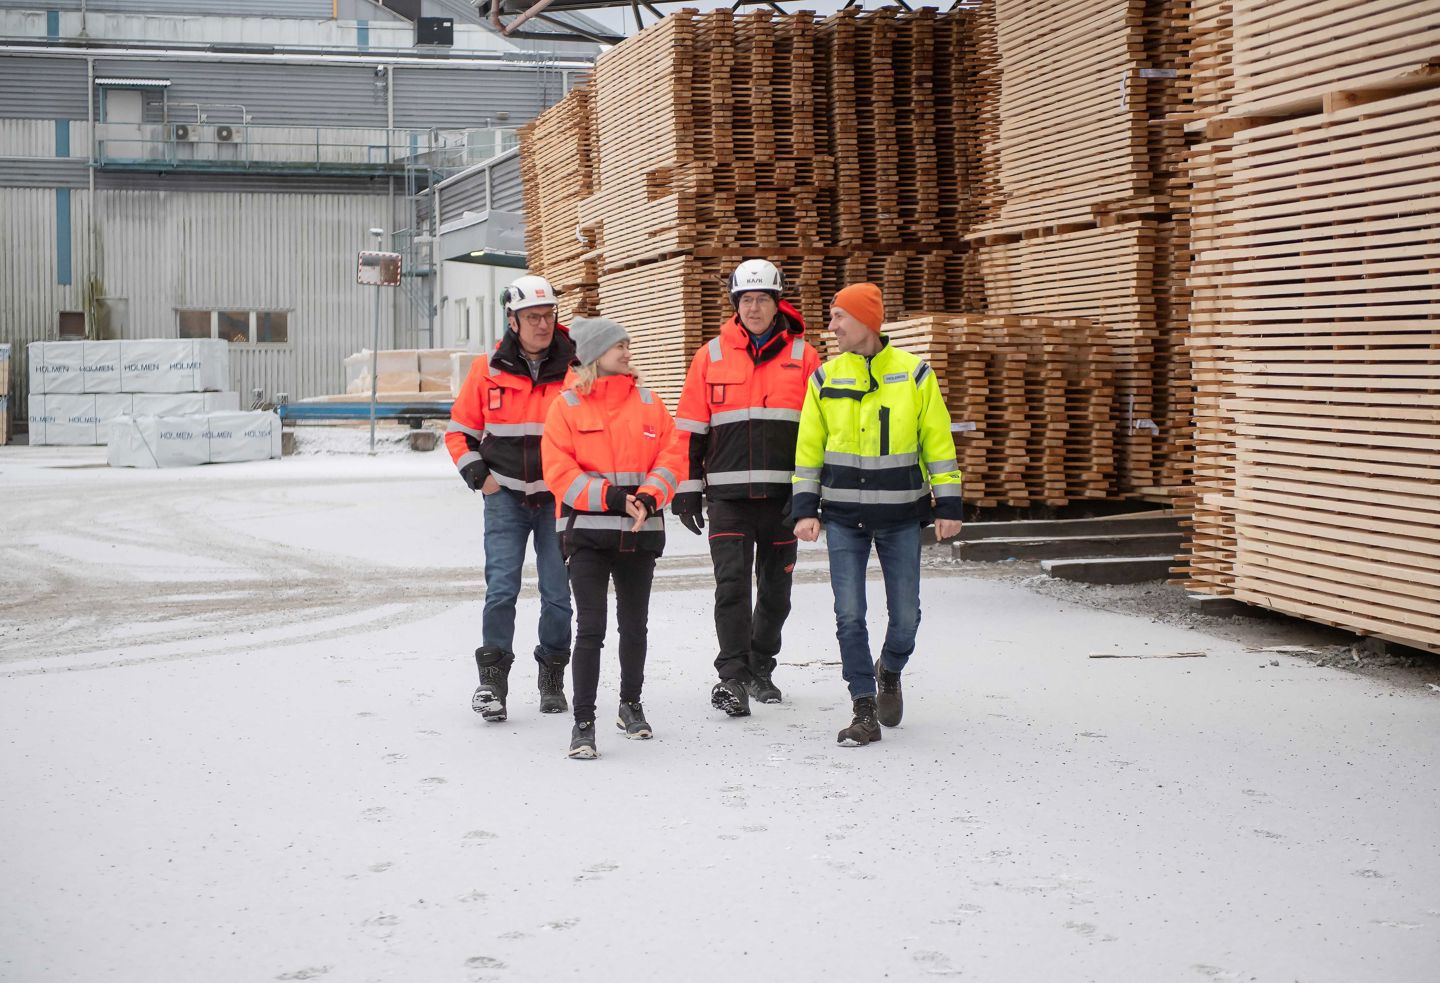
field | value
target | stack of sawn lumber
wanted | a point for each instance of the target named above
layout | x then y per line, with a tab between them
1081	215
1031	402
839	150
1316	312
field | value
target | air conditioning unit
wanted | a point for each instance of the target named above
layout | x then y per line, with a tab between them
183	132
226	133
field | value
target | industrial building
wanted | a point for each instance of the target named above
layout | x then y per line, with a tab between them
182	169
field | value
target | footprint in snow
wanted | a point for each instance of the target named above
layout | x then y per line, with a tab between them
482	963
471	897
308	973
432	782
1369	874
376	814
429	733
935	963
479	836
1081	928
596	870
381	926
514	936
753	829
380	868
365	713
727	836
391	759
1267	834
562	924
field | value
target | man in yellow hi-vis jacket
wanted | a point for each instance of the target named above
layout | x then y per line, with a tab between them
874	447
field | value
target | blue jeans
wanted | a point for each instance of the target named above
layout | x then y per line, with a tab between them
508	524
898	547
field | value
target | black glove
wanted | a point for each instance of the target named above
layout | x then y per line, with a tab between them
615	499
648	500
693	521
474	474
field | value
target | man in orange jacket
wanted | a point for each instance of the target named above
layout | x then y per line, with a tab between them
494	438
737	420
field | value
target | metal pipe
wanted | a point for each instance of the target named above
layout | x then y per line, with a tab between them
183	54
90	204
375	347
514	24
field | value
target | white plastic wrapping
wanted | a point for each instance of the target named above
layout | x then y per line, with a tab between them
183	441
84	418
161	365
459	369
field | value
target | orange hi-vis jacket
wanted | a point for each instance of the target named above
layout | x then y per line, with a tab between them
740	411
618	439
500	413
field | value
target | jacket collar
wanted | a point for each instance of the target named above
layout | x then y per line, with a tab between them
557	357
792	326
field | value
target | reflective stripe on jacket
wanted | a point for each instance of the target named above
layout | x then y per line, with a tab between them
618	435
875	443
740	410
500	414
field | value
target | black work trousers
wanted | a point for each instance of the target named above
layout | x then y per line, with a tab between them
591	571
757	535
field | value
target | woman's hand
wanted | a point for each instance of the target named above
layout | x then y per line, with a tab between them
637	510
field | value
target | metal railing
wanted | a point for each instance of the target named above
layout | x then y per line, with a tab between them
248	146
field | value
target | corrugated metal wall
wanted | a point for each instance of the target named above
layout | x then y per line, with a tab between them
312	9
42	88
164	250
289	94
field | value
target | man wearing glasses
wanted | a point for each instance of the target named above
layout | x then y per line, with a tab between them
737	420
494	438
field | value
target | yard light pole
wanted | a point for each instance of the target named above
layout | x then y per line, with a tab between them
378	269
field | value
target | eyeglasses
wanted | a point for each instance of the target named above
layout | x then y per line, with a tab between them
536	318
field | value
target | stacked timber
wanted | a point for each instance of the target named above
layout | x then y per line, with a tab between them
1083	153
1291	55
557	170
715	138
1030	400
1316	318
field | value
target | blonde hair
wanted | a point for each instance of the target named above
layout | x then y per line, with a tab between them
585	376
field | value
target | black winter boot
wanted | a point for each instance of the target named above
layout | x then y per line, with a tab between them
729	695
551	682
489	698
761	687
889	704
582	741
864	729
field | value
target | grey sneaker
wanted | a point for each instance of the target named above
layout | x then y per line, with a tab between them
729	695
889	704
489	697
552	689
864	729
632	721
762	688
582	741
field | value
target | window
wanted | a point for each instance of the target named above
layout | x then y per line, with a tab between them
71	326
236	327
233	326
272	327
194	324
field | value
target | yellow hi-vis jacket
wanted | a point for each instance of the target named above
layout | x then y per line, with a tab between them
875	443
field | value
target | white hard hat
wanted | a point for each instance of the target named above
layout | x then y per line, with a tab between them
528	291
755	274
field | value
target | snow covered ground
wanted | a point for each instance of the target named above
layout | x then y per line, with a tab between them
234	707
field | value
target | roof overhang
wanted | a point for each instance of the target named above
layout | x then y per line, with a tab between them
114	82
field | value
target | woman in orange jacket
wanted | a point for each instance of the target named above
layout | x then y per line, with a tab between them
611	459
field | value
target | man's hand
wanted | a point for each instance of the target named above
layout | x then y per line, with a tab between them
475	474
491	486
693	521
946	528
808	530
